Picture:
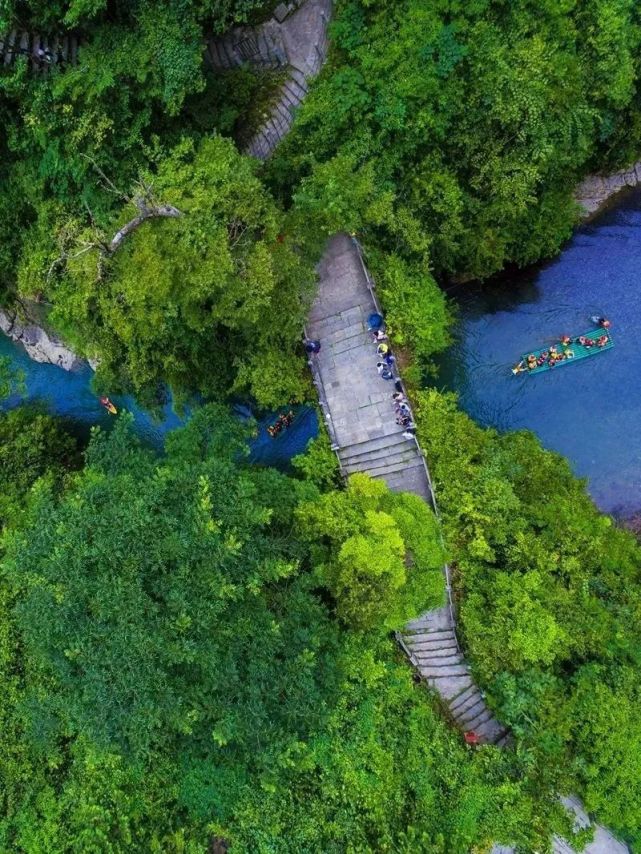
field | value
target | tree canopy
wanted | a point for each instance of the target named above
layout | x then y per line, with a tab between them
172	668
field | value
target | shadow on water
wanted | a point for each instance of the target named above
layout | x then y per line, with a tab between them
70	396
590	412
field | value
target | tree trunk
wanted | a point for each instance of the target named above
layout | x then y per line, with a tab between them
145	214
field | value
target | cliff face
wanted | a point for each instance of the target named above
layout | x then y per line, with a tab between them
596	190
40	345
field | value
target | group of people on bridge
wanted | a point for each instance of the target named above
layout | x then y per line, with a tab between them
386	367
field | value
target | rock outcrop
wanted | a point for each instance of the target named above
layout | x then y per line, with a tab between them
41	346
596	190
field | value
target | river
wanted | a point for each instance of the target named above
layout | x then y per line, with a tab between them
589	411
69	394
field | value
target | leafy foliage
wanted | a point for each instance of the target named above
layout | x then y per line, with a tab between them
170	670
467	124
32	444
550	597
202	301
383	559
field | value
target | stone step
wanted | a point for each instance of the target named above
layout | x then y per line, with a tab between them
431	672
384	429
299	77
476	717
444	635
288	98
397	473
428	660
351	352
354	331
464	698
295	90
414	481
442	655
381	461
284	113
433	646
437	620
322	317
451	686
461	710
490	731
443	640
393	439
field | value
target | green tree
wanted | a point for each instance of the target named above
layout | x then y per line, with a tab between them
211	300
550	594
383	560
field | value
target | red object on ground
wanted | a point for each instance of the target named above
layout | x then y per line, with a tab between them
471	737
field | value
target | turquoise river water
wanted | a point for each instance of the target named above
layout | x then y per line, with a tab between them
589	411
69	394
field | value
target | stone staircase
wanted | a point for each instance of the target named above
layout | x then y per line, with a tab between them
431	645
360	421
295	39
360	416
42	51
260	46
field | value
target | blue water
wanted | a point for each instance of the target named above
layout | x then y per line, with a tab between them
589	411
69	394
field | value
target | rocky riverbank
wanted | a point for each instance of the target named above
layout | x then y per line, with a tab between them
41	346
596	190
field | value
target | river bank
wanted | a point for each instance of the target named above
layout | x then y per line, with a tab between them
41	346
597	192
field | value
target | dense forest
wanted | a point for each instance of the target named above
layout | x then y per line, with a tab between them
196	652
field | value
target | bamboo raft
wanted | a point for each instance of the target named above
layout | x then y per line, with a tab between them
581	347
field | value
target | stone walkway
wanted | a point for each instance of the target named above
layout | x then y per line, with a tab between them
361	422
603	843
43	51
295	39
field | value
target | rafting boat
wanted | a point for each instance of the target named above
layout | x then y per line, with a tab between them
108	405
552	357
